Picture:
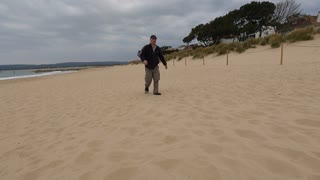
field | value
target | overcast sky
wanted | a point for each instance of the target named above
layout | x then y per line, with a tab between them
53	31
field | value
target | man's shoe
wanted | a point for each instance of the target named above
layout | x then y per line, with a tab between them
157	93
146	90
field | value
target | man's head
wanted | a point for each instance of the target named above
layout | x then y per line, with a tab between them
153	39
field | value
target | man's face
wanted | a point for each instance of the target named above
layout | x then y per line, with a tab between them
153	41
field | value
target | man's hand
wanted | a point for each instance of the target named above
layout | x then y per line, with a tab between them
145	62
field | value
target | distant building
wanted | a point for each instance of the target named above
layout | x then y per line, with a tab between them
307	21
229	40
244	36
195	46
269	30
191	46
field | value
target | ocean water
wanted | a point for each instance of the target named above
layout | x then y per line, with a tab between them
16	74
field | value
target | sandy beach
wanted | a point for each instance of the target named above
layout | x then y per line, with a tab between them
253	119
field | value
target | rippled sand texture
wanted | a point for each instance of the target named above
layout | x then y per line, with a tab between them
253	119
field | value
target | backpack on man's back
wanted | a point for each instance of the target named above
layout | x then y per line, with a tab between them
139	53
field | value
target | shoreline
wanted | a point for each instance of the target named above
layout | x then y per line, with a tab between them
49	73
60	69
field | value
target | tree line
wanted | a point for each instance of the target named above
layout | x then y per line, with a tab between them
248	19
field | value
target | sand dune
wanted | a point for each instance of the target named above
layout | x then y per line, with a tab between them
253	119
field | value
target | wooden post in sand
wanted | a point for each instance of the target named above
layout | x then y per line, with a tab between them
185	61
281	59
227	58
173	62
203	61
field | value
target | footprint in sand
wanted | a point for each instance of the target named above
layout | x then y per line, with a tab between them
36	173
317	154
280	130
170	139
308	122
117	156
195	171
217	132
95	145
252	135
169	164
86	176
280	167
314	177
211	148
84	158
134	130
122	174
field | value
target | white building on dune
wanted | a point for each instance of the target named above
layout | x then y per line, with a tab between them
268	31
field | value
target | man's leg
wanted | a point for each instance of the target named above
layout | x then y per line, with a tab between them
156	78
148	79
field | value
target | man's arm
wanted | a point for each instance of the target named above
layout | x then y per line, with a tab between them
143	56
162	58
143	53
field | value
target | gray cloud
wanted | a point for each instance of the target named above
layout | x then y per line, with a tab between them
50	31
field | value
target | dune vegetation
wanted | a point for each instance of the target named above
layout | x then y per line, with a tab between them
274	41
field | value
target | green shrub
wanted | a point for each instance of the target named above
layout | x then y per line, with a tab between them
233	46
191	52
300	35
258	41
171	56
211	49
275	44
199	52
267	38
246	45
182	54
198	55
240	48
222	49
252	41
263	42
275	40
310	30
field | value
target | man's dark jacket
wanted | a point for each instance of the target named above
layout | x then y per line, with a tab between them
152	56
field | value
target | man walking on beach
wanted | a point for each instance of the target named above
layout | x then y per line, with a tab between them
150	55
